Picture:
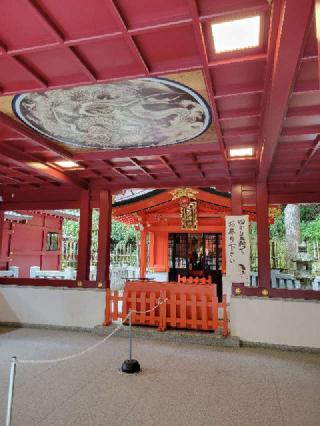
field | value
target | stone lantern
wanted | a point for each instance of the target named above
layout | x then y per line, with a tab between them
303	262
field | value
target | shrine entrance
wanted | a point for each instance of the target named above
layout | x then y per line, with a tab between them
195	254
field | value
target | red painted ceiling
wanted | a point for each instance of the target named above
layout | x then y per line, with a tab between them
267	97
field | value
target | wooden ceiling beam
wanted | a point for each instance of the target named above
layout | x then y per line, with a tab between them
238	60
27	133
167	164
32	163
25	68
198	165
115	12
294	21
235	114
117	170
198	32
309	156
52	28
303	111
301	130
144	169
174	150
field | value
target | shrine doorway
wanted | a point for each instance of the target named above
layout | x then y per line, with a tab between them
196	254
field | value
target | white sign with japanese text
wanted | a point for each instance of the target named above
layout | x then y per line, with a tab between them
238	249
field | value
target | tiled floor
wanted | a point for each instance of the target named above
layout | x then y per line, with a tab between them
180	384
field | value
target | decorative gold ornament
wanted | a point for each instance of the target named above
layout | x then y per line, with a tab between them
265	292
237	291
79	283
188	216
184	193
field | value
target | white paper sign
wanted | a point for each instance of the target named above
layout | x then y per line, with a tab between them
238	249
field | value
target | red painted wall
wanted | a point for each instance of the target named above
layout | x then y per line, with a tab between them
159	241
24	244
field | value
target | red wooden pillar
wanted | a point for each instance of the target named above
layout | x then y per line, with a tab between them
43	241
1	230
263	236
104	239
143	252
236	199
84	241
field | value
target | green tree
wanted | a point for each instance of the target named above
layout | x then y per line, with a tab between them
120	233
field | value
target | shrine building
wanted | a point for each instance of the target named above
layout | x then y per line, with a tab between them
187	120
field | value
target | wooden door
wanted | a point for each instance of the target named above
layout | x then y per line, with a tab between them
178	255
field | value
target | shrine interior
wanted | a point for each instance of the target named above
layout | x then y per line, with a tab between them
148	149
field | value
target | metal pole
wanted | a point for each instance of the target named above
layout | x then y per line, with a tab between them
11	389
130	335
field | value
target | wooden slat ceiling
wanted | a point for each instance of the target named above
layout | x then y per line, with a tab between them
267	97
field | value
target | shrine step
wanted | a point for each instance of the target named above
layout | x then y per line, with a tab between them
171	335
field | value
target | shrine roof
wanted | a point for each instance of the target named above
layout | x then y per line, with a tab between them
22	216
129	196
159	207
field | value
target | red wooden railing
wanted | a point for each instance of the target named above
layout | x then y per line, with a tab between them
194	280
187	306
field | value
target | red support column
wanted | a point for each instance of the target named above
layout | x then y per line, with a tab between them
236	199
263	236
1	230
104	239
43	241
143	252
84	242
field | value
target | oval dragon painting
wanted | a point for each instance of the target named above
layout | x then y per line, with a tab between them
134	113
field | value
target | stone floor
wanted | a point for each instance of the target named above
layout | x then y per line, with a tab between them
180	384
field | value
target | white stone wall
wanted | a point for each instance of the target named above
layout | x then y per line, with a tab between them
226	287
276	321
52	306
158	276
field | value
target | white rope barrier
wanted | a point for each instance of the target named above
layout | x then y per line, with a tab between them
161	300
15	361
75	355
90	348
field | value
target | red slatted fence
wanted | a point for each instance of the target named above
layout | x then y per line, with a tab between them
194	280
188	306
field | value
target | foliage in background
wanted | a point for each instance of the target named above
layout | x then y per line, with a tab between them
309	232
120	233
277	229
309	223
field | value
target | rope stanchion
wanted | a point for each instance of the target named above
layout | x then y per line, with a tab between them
132	366
14	360
12	375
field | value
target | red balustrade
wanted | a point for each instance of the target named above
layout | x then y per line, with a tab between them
187	306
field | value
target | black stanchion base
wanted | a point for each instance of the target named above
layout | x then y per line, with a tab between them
130	366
